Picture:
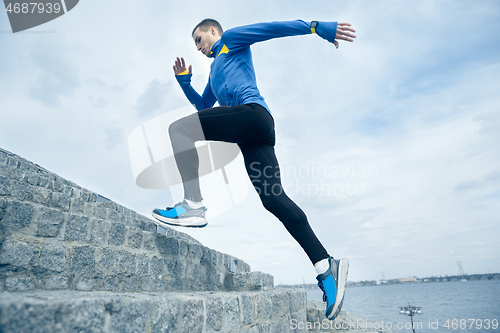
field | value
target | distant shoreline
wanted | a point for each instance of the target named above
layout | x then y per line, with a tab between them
472	277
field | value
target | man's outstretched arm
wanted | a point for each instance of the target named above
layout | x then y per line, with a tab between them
247	35
183	76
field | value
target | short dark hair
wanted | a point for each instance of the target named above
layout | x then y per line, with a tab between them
206	24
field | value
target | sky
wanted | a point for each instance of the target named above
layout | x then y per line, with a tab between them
401	128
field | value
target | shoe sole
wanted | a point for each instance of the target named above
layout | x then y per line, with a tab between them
341	284
189	222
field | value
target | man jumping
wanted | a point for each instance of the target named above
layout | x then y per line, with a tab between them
244	118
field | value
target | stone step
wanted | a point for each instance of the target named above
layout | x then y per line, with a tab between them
76	311
173	265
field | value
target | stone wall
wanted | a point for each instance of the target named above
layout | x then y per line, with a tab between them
56	235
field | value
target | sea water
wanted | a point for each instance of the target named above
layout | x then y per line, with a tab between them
459	306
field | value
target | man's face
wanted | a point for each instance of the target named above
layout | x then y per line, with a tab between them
204	40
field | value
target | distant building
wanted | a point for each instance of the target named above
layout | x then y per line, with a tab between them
412	279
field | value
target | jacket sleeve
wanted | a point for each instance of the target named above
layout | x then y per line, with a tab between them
202	102
247	35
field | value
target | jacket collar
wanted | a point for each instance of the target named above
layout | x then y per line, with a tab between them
216	48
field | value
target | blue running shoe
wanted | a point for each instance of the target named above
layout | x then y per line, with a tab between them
181	215
333	283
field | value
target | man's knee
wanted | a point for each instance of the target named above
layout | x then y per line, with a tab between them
186	127
175	128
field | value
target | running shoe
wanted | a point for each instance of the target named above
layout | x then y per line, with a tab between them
333	283
181	215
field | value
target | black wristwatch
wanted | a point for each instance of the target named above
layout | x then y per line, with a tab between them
314	25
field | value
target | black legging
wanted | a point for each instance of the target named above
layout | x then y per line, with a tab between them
252	128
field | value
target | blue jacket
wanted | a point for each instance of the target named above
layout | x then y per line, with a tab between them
232	75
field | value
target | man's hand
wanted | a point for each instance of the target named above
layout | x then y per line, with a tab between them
180	66
344	32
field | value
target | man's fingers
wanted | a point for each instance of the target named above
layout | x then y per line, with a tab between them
347	32
344	38
189	70
345	26
344	32
180	64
